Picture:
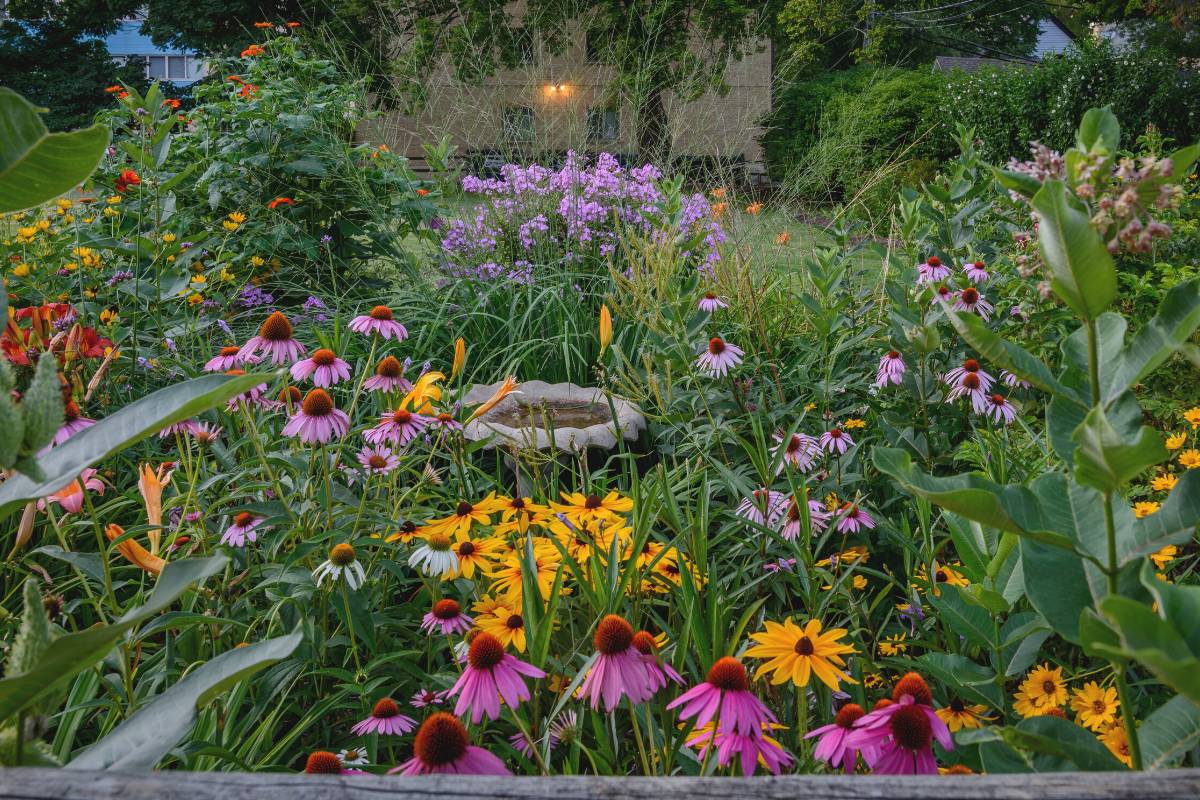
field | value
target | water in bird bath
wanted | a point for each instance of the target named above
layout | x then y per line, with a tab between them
561	413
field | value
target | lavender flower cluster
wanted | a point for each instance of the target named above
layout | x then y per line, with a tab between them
536	215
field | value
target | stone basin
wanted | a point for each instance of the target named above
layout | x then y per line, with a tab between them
579	417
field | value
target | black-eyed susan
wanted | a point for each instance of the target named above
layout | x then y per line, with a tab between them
959	716
502	620
1117	742
507	578
581	508
474	556
797	653
1095	706
1045	686
518	513
893	645
466	515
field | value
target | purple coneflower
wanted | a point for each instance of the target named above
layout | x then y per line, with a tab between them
851	518
897	739
73	424
317	420
750	750
204	433
445	422
932	271
763	507
324	366
379	321
969	299
442	746
954	377
385	719
491	674
1014	381
398	427
832	747
252	397
447	617
388	377
800	450
321	762
228	358
997	408
618	669
941	293
725	694
837	441
719	357
185	428
976	272
659	672
710	302
377	460
818	518
242	529
427	697
274	339
891	369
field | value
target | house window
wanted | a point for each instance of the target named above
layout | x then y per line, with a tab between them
172	68
603	125
517	124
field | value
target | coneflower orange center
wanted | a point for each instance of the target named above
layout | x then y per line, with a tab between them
644	642
804	646
446	609
911	729
323	357
998	399
716	346
290	393
390	367
401	416
441	740
485	651
444	417
317	403
323	763
235	372
728	675
276	328
971	365
385	708
613	635
710	295
794	443
934	261
893	354
913	685
71	412
970	295
882	702
342	554
377	461
230	351
848	714
243	519
970	381
381	312
835	434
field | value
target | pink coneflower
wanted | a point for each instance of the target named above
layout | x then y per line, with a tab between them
442	746
241	530
251	397
377	460
837	441
397	427
942	293
851	518
229	358
976	272
818	518
1009	379
726	693
750	750
70	497
324	366
185	428
379	321
897	739
317	420
833	748
388	377
73	424
445	422
954	377
205	434
427	697
800	450
932	271
491	674
891	369
969	299
719	357
447	617
385	719
997	408
618	669
274	339
659	672
710	302
321	762
763	507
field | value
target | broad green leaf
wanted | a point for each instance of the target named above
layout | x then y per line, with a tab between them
125	427
1178	604
974	683
1056	585
1012	357
1169	732
1107	460
1022	636
1182	160
966	619
1074	511
37	166
1177	318
1082	272
1174	523
1099	131
75	652
141	741
1022	183
1064	744
1154	643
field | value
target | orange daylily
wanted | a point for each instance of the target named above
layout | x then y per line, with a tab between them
508	387
423	391
134	553
150	484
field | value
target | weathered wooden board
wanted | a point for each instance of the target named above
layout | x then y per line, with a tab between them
48	784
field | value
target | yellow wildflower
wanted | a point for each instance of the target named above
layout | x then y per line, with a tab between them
1145	508
1164	483
1190	458
1176	441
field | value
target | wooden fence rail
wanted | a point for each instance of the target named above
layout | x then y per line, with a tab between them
65	784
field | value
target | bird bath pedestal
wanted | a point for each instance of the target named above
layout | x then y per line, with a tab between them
553	417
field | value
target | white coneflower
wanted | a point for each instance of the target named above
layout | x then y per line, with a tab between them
354	757
342	560
435	556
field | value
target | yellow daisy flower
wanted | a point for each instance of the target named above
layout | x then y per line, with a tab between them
466	515
579	507
1176	441
893	645
473	556
1189	459
1117	743
1145	508
959	716
1045	686
1095	706
1192	415
502	620
1164	556
1164	483
797	653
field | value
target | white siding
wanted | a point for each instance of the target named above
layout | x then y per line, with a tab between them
1052	38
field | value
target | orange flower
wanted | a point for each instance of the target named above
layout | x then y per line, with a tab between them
422	192
248	89
113	89
122	95
171	103
718	210
510	384
281	201
718	193
252	50
293	24
234	79
127	178
754	208
134	553
262	24
150	484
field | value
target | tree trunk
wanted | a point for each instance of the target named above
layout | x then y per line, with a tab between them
653	135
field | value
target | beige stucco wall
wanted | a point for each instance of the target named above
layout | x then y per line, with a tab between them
560	89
